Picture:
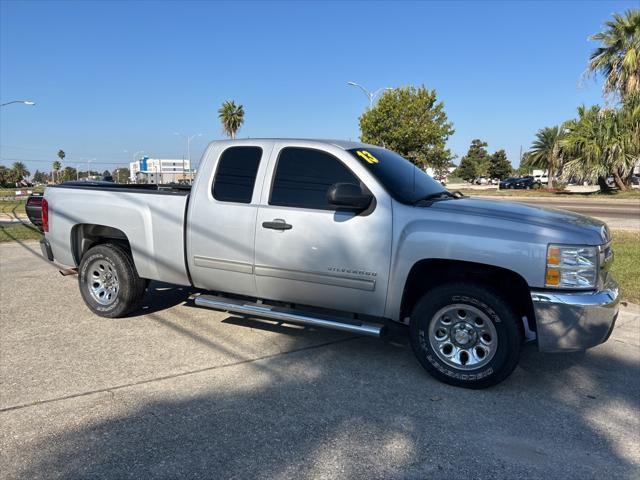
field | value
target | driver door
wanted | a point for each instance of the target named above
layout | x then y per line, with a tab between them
308	251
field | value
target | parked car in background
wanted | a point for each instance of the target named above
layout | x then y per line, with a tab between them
527	183
508	183
541	179
635	181
481	181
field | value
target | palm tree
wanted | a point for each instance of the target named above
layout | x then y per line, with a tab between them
546	151
232	117
56	167
618	57
603	142
20	171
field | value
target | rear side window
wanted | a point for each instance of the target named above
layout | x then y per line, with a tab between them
236	174
304	175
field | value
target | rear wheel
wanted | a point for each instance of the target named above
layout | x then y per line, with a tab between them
109	283
466	335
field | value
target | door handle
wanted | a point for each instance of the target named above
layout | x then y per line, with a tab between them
277	224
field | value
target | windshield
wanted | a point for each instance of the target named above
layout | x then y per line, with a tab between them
402	179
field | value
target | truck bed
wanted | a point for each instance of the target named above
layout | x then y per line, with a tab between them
150	217
168	189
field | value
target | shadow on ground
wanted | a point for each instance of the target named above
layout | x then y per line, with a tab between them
162	296
353	408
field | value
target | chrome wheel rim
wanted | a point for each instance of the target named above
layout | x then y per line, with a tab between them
463	336
102	281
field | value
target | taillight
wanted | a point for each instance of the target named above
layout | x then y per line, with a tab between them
45	215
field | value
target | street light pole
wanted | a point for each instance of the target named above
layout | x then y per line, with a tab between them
24	102
370	95
89	168
188	139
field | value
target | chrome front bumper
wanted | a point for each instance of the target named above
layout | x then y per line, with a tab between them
575	321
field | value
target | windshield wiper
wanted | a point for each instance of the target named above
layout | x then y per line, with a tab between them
438	196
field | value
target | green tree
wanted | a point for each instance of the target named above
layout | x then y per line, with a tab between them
56	167
499	165
476	162
38	177
68	174
6	176
412	122
467	170
524	169
618	57
232	117
603	142
20	172
546	152
121	175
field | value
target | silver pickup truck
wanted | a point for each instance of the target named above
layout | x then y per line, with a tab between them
348	236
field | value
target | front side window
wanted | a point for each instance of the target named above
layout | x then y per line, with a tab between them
304	175
236	174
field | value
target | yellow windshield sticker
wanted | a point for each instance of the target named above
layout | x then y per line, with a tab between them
367	156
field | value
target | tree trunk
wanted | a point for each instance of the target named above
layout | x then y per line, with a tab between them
604	186
550	176
619	183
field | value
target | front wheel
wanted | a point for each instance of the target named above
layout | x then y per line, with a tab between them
466	335
109	283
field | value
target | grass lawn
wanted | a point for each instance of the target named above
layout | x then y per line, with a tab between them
11	207
19	231
626	264
10	192
628	194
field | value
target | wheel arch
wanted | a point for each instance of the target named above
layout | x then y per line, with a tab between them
86	235
429	273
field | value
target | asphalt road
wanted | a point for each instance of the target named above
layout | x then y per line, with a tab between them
179	391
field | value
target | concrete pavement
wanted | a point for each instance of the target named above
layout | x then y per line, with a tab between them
179	391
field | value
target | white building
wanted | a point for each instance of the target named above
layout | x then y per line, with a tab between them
160	170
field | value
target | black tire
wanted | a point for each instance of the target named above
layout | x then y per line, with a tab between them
130	287
494	307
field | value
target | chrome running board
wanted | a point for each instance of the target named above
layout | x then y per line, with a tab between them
288	315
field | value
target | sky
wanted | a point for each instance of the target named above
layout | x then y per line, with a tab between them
113	78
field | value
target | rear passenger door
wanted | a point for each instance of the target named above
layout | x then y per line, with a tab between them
308	251
222	218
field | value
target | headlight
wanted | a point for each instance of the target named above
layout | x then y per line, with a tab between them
571	266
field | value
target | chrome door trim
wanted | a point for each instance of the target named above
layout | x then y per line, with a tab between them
220	264
316	277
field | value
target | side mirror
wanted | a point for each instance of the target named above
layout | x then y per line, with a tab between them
349	195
